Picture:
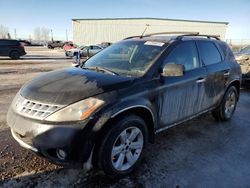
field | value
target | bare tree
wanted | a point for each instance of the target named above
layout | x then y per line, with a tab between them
4	31
37	34
45	34
41	34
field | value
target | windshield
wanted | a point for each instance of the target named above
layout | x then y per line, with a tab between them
129	58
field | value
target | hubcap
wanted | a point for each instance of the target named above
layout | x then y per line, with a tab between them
230	104
127	148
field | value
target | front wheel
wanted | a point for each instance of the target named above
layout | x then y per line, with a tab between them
14	55
123	145
227	107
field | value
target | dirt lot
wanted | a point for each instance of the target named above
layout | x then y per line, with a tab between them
199	153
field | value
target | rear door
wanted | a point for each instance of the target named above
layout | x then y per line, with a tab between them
218	72
179	97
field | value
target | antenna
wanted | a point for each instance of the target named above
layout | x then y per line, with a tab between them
147	25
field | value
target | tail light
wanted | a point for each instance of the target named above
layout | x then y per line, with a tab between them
21	44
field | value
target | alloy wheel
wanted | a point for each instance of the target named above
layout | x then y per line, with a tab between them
127	148
230	104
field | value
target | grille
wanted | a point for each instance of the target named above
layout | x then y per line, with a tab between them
34	109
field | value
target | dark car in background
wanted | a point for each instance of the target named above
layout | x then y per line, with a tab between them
243	58
104	112
105	44
12	48
55	44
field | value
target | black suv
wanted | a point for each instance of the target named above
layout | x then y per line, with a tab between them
103	112
12	48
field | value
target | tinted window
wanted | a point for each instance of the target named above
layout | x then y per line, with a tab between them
185	54
209	53
227	52
8	42
96	48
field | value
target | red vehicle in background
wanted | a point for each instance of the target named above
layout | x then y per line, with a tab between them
68	46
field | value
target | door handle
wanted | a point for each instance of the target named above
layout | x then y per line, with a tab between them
200	80
226	73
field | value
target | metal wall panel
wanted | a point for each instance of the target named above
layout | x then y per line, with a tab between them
96	31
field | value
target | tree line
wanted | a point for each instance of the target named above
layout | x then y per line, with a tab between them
39	34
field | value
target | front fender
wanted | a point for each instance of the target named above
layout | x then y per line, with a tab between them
133	103
122	106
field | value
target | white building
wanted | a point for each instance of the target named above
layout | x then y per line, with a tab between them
96	31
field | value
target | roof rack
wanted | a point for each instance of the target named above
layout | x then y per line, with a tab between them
198	35
171	32
182	34
131	37
162	33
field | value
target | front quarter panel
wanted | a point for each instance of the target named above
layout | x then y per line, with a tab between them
119	101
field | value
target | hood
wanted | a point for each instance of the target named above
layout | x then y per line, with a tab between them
70	85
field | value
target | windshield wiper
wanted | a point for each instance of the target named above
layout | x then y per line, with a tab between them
98	69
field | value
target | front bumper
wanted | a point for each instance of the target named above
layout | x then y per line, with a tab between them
69	54
76	139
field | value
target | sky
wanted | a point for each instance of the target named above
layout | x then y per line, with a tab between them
25	15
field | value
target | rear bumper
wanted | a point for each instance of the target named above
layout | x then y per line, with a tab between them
23	53
76	139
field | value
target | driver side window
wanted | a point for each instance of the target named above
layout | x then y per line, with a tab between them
184	54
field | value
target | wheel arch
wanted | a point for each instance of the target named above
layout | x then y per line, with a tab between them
236	84
142	111
11	51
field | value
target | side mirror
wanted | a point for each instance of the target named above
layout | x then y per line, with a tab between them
172	69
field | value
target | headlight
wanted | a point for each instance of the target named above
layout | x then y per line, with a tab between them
77	111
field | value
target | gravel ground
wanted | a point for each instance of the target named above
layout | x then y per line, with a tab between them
199	153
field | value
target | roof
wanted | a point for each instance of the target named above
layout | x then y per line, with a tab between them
166	19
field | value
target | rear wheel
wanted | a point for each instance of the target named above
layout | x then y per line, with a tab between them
227	107
14	55
122	146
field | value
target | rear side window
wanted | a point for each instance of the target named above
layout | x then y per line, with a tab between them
184	54
227	52
209	53
8	42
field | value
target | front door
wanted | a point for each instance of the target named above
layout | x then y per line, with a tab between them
179	97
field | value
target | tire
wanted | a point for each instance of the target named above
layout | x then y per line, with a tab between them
14	55
50	47
227	107
119	155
